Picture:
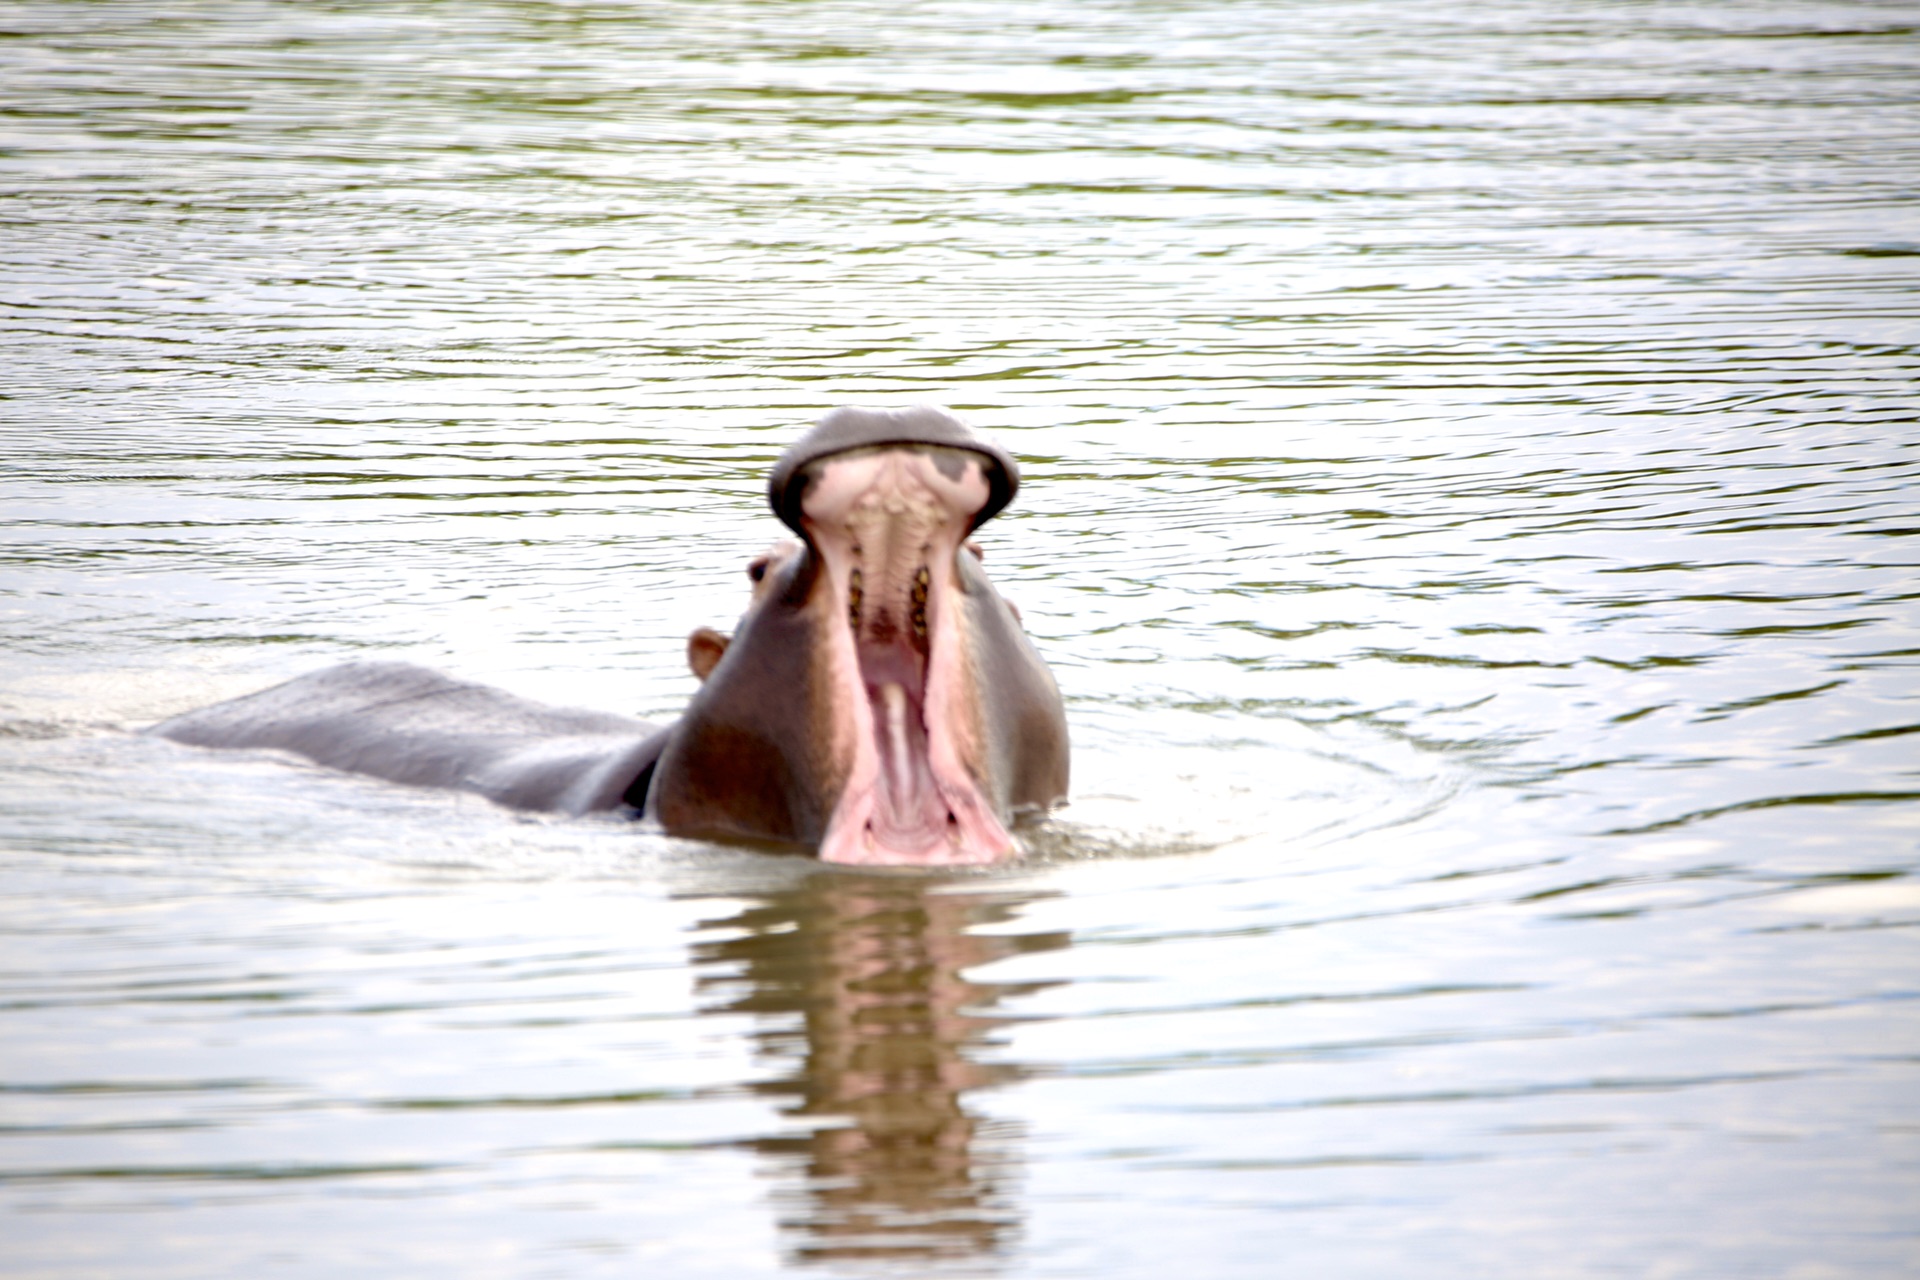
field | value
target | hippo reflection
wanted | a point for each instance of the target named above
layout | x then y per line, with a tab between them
879	702
879	1030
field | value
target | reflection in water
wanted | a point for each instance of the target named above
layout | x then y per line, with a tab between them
892	1028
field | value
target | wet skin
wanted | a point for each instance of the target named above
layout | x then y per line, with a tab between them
879	703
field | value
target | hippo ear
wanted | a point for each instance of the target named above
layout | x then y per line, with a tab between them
705	648
857	428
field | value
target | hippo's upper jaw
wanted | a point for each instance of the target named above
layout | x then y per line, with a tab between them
879	700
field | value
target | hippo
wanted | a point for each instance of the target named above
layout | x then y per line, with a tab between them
879	703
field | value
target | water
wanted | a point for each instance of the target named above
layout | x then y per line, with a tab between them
1470	455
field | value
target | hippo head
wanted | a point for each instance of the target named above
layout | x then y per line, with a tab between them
879	700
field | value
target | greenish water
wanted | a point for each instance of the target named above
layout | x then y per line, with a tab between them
1470	464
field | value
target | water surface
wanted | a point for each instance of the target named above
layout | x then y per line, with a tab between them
1469	462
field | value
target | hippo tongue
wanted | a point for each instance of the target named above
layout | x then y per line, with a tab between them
908	812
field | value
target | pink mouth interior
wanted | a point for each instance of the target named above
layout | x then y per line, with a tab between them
908	814
889	522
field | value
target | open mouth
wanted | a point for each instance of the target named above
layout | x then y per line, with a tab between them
888	521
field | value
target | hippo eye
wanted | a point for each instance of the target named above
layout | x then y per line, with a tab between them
758	569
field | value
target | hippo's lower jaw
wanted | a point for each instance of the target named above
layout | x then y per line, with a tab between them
889	524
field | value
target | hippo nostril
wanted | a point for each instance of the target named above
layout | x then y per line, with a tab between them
854	594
